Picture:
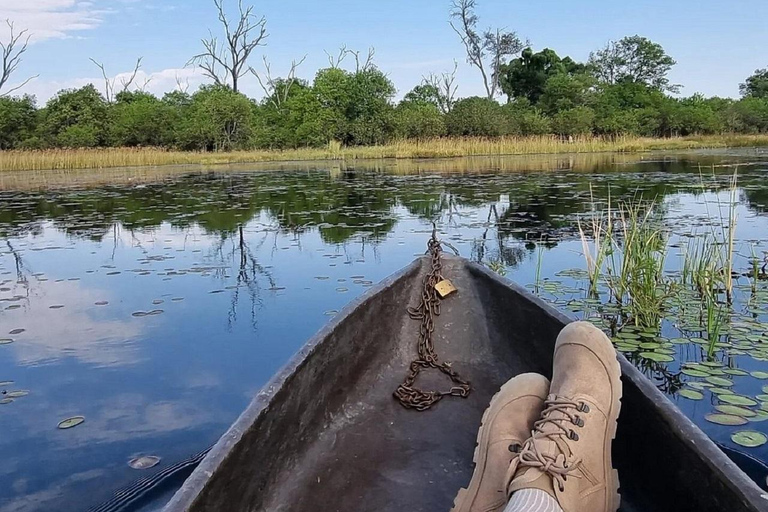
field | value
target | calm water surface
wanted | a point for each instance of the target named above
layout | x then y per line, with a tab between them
156	309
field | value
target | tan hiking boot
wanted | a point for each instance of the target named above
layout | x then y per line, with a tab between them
506	424
569	455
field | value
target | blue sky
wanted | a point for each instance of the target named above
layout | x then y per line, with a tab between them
717	44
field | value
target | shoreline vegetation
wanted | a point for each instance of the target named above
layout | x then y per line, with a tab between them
433	148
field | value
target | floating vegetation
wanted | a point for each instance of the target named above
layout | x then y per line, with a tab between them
17	394
691	394
749	439
16	331
726	419
71	422
154	312
101	303
144	462
6	341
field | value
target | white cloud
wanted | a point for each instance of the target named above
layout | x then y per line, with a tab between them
50	19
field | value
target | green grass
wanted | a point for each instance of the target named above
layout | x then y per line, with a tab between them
69	159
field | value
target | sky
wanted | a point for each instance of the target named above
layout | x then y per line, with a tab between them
717	44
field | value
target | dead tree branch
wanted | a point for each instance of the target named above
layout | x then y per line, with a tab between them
335	61
445	85
111	83
12	52
226	63
276	90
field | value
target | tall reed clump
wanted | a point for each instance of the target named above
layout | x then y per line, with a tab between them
625	247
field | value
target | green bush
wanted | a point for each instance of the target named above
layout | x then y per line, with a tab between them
18	121
574	121
477	117
218	119
416	120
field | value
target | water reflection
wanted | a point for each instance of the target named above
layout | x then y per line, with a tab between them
232	271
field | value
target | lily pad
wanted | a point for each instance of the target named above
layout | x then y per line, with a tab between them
5	383
719	381
5	341
144	462
738	372
655	356
71	422
17	394
759	416
16	331
735	410
725	419
737	400
691	372
749	439
759	375
6	401
691	394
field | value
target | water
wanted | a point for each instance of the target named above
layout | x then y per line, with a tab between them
158	307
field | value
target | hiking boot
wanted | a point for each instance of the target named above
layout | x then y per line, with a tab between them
506	424
569	454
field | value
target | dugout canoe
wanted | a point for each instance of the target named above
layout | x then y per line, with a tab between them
327	435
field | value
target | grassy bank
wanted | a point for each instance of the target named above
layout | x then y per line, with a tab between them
59	159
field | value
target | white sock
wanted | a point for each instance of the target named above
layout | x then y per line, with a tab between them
532	500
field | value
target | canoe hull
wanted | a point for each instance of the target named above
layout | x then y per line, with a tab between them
326	433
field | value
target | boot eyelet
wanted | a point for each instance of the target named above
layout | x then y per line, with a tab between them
578	421
583	407
514	448
573	435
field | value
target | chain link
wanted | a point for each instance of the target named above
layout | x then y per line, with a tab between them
429	307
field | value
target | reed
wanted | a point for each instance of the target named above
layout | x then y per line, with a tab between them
69	159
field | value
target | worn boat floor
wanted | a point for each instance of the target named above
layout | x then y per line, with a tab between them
374	455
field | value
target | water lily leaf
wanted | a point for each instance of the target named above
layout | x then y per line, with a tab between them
5	383
5	341
691	372
712	364
71	422
749	439
659	358
700	385
737	400
17	394
735	410
759	416
144	462
722	391
691	394
759	375
719	381
16	331
725	419
6	401
735	371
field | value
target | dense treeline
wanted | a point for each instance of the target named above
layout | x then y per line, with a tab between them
545	94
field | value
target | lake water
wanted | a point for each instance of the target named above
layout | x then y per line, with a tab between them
156	307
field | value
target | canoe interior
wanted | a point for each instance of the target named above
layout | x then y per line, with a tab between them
327	434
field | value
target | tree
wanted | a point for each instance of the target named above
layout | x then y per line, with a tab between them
12	52
564	91
226	64
111	83
444	88
526	76
218	119
477	117
140	119
18	120
418	120
486	51
756	85
573	121
76	118
634	59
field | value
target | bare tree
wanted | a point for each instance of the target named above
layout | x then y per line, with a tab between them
486	51
277	89
12	51
226	63
336	60
182	84
445	85
110	84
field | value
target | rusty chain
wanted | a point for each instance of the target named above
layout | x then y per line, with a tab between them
429	307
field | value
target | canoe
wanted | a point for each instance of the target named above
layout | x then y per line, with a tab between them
326	433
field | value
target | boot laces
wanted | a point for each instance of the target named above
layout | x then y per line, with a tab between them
558	416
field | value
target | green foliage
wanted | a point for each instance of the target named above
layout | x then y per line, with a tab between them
564	91
573	121
291	118
424	94
756	85
76	118
217	119
417	120
18	120
633	59
477	117
527	76
140	119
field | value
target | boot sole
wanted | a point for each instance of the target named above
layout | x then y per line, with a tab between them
613	501
481	452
